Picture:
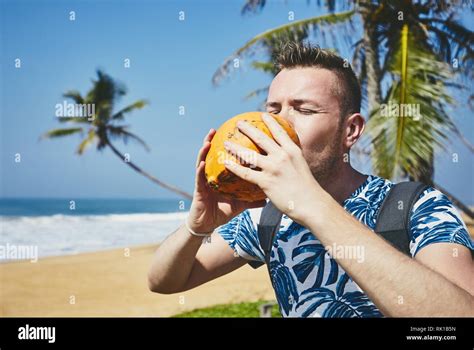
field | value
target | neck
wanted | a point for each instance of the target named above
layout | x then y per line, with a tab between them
343	182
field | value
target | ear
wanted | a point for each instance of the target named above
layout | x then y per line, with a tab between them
354	126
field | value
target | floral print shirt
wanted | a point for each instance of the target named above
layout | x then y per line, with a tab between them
307	281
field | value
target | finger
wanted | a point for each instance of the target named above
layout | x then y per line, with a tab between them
278	133
203	152
200	175
258	137
209	136
245	155
243	172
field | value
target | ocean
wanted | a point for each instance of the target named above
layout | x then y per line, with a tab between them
61	227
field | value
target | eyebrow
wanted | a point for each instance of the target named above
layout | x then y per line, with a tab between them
272	104
297	102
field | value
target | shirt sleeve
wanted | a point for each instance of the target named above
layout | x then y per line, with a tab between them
434	219
241	234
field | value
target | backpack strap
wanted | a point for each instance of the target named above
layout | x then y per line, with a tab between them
268	226
392	223
393	219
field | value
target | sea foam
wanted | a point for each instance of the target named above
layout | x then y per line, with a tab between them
68	234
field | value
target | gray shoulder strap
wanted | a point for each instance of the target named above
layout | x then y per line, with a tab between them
392	221
269	224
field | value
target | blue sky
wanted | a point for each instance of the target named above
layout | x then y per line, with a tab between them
172	63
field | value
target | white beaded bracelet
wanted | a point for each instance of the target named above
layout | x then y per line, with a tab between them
195	233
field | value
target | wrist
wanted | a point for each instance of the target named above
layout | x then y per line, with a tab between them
317	210
196	229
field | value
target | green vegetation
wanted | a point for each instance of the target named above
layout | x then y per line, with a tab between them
231	310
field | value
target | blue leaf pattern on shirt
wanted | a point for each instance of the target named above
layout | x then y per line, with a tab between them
283	283
339	304
308	282
316	257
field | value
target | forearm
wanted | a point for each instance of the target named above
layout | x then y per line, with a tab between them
173	261
397	284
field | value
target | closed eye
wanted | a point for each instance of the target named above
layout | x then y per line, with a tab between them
306	111
300	110
273	112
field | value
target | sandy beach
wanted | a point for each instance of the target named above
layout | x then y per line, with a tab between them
113	283
109	283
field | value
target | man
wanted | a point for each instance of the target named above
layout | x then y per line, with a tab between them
327	205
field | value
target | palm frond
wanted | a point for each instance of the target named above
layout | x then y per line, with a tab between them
91	136
256	93
125	135
75	96
104	94
267	67
313	24
136	105
401	142
403	89
253	6
79	120
61	132
451	40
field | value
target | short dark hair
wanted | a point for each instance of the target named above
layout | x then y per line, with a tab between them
298	54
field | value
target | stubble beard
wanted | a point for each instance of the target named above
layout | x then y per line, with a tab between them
325	165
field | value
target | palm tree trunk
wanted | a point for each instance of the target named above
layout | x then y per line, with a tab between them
372	69
150	177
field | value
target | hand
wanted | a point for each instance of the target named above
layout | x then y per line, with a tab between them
285	176
209	209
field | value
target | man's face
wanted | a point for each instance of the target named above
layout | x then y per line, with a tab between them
307	99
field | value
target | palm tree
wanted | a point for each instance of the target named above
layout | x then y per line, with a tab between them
403	54
103	125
